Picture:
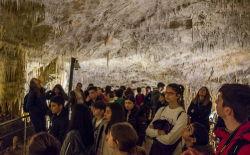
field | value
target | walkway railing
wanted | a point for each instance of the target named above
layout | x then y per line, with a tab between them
25	132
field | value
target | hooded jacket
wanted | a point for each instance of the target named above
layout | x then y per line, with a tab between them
138	120
60	125
73	145
99	129
243	133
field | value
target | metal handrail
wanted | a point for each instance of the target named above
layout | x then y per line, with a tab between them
25	130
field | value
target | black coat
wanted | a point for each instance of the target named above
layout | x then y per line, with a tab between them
60	124
147	99
201	113
137	119
36	104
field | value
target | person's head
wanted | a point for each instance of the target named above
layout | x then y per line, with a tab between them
79	86
99	91
92	92
123	87
129	91
90	85
58	89
162	97
160	86
138	90
129	102
114	114
119	93
99	108
35	84
196	133
107	89
111	94
44	144
174	92
204	93
123	137
234	102
57	104
148	89
82	122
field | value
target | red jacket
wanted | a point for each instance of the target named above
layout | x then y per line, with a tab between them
245	150
103	98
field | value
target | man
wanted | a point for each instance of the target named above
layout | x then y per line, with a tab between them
147	98
60	119
76	96
86	92
93	97
155	96
233	106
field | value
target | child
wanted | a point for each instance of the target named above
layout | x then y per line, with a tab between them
162	102
100	93
139	97
60	119
197	137
169	143
122	138
114	114
98	121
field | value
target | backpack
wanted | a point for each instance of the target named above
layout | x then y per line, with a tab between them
25	103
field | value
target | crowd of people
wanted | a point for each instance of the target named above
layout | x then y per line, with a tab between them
118	122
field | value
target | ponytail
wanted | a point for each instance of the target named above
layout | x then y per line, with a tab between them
179	89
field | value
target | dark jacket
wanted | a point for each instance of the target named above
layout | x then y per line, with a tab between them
201	113
147	99
154	100
36	104
137	119
90	102
73	101
243	134
73	145
163	125
137	99
159	105
60	125
98	132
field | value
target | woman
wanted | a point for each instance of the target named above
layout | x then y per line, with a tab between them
36	104
76	97
200	108
122	138
44	144
168	143
80	137
107	90
136	117
114	114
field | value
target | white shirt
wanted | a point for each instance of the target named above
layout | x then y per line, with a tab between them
98	123
170	115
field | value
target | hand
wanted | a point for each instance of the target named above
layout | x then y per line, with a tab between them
161	132
151	126
88	98
192	151
142	103
192	111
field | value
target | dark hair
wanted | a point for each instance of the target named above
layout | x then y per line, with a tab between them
82	122
58	86
111	94
127	137
93	88
129	91
200	133
100	105
162	94
207	98
117	115
78	84
91	85
179	89
119	93
160	85
39	92
59	100
148	87
123	87
102	90
130	97
107	89
138	90
44	144
237	97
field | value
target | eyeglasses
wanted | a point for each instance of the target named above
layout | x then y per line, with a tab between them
169	93
189	130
